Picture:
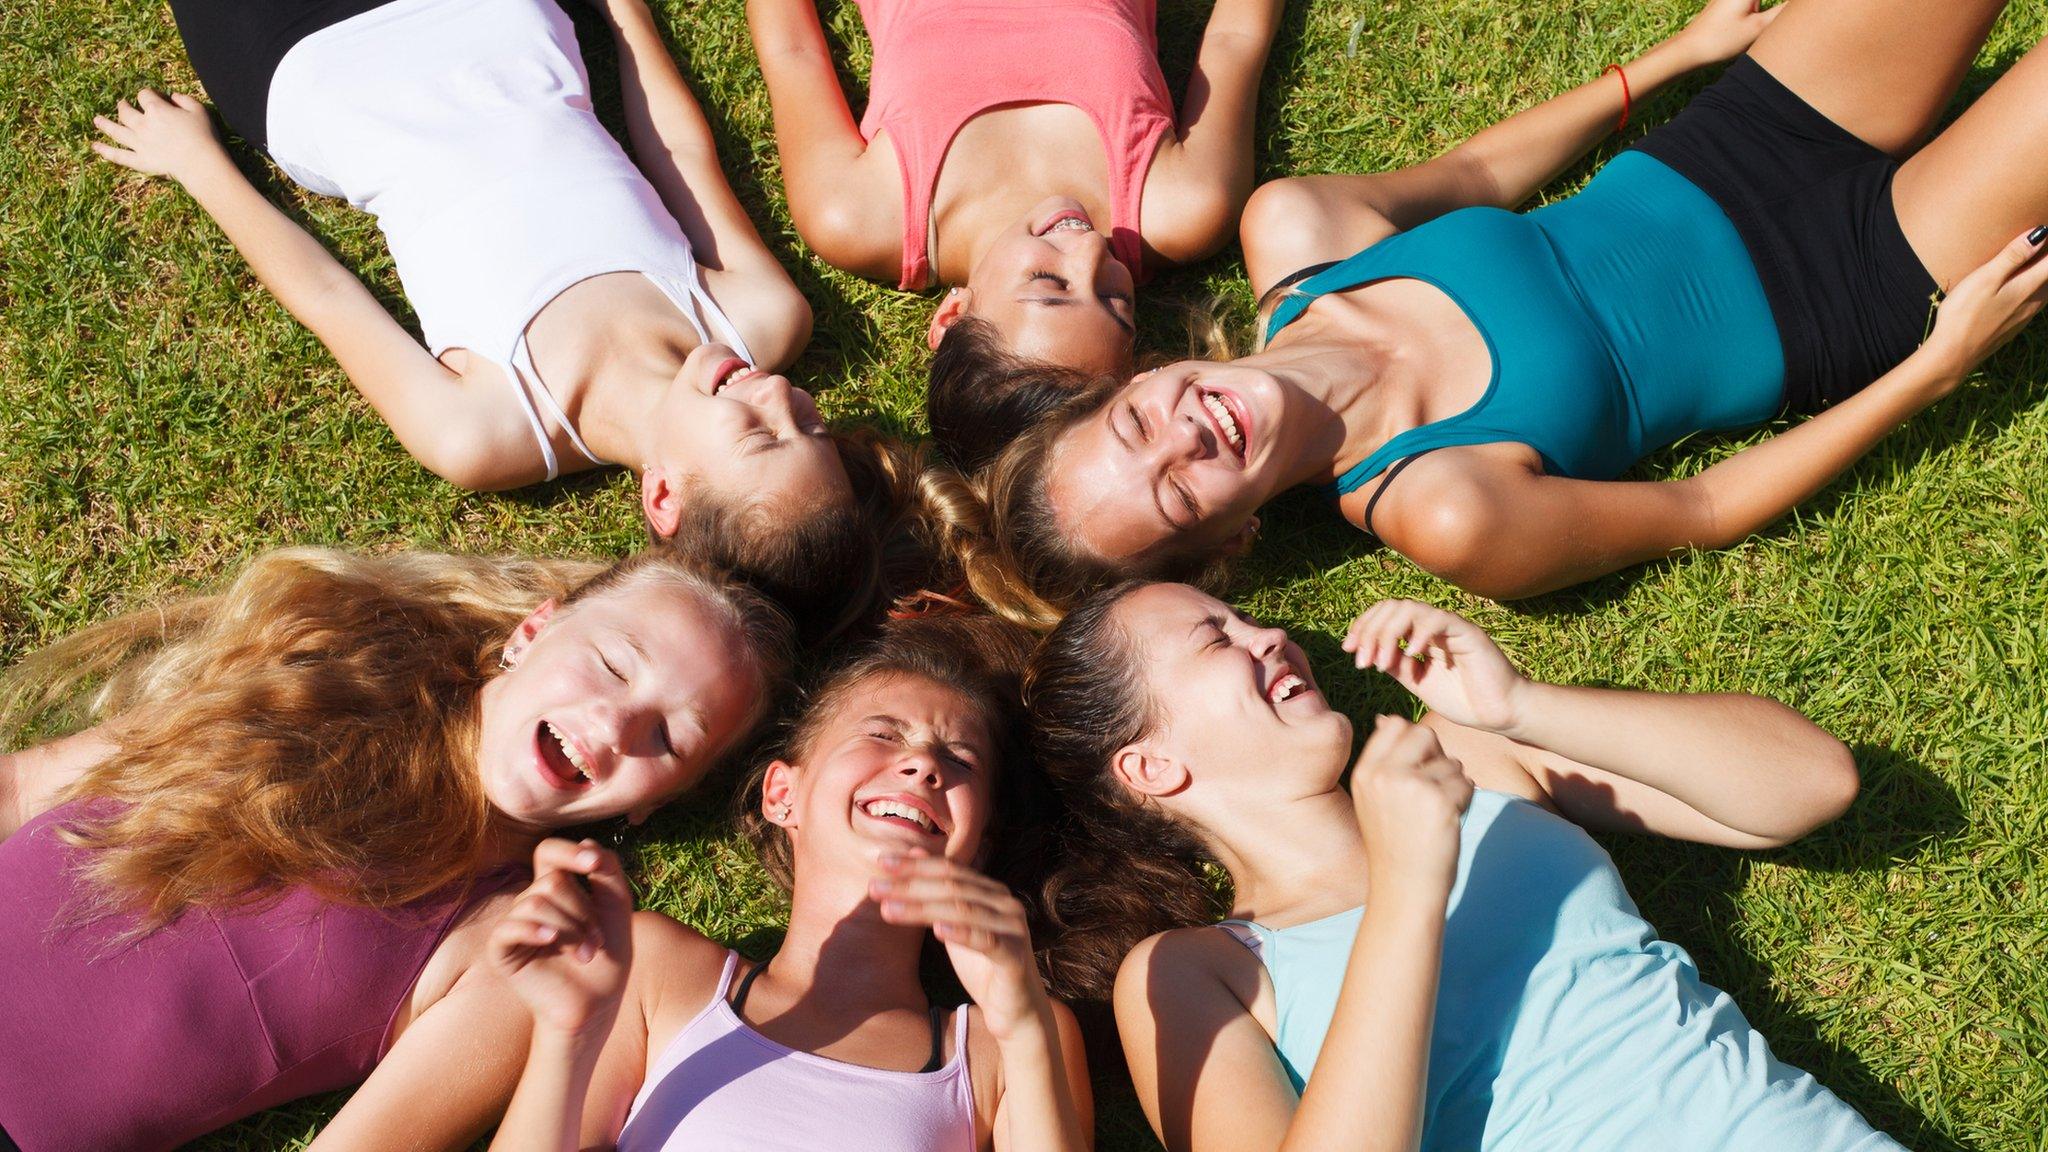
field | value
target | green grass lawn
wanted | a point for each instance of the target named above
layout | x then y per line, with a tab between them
162	419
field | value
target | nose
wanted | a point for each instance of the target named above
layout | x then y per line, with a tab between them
1181	438
921	764
1265	641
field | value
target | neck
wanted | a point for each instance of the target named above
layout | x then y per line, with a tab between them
1293	862
1345	382
838	940
968	226
611	411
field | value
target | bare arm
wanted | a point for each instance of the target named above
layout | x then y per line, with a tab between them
448	423
1297	222
673	145
1506	531
1205	185
1726	768
1206	1071
848	210
31	779
1047	1101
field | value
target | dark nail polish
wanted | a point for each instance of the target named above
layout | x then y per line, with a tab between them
2038	235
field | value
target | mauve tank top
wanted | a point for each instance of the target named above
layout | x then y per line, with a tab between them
146	1045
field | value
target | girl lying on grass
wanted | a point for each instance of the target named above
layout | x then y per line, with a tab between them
1414	963
269	865
1468	383
902	782
578	309
1030	156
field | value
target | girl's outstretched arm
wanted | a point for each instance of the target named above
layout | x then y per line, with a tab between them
1208	1075
673	145
1499	166
1513	531
848	210
1206	184
447	423
1725	768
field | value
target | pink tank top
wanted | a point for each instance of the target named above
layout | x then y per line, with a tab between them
720	1084
146	1045
939	63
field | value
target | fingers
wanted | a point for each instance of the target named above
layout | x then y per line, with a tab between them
961	905
187	102
1400	637
121	156
116	131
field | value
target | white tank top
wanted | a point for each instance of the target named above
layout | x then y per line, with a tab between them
465	127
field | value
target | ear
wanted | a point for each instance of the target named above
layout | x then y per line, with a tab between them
1241	543
523	635
778	794
661	501
1148	771
638	816
952	306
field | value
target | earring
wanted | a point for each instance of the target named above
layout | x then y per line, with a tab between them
781	812
505	660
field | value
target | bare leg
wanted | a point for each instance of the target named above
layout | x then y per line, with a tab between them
1981	182
1883	69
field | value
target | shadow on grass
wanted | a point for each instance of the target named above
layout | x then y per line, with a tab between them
1688	892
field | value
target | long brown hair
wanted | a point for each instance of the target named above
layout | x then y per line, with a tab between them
1127	869
314	724
972	653
981	395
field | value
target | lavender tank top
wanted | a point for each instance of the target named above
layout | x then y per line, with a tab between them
721	1084
219	1015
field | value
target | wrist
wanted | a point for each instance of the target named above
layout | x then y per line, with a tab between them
572	1047
1028	1032
1663	63
1937	369
1527	702
207	171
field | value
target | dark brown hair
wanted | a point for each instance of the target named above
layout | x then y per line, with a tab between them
974	654
314	724
982	396
825	569
1127	869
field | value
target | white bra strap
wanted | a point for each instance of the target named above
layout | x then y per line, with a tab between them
534	391
524	403
694	300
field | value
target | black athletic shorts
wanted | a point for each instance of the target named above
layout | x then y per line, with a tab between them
1814	206
7	1143
235	46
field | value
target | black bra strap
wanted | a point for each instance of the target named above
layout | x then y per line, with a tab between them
937	1060
739	999
933	1063
1386	478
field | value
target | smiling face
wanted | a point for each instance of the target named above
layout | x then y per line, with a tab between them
613	705
1049	284
731	432
902	762
1178	459
1232	702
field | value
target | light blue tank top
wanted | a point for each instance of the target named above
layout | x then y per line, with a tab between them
1562	1022
1619	320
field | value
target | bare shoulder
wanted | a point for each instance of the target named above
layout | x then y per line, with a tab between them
850	211
1300	221
1190	209
1447	508
771	313
674	962
1185	964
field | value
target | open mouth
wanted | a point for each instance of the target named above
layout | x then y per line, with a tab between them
560	760
1228	417
729	373
1070	220
901	813
1286	688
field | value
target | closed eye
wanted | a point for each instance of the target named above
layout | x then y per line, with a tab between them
611	667
1059	282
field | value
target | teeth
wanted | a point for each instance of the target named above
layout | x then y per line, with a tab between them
1221	412
1287	687
894	808
569	750
1072	224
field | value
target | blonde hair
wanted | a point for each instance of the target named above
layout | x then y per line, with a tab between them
314	724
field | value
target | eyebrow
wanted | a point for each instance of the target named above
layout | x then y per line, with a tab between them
1063	302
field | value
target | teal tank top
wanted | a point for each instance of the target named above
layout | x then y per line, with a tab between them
1561	1020
1619	320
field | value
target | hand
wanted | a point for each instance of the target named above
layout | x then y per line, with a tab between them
1448	662
1989	306
159	136
1408	796
1723	30
565	948
983	928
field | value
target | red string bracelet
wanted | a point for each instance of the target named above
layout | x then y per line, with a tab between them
1626	99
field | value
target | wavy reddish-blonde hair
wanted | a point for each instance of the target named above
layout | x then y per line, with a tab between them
314	724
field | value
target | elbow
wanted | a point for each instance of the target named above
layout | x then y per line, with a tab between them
1277	208
1823	785
834	227
466	461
